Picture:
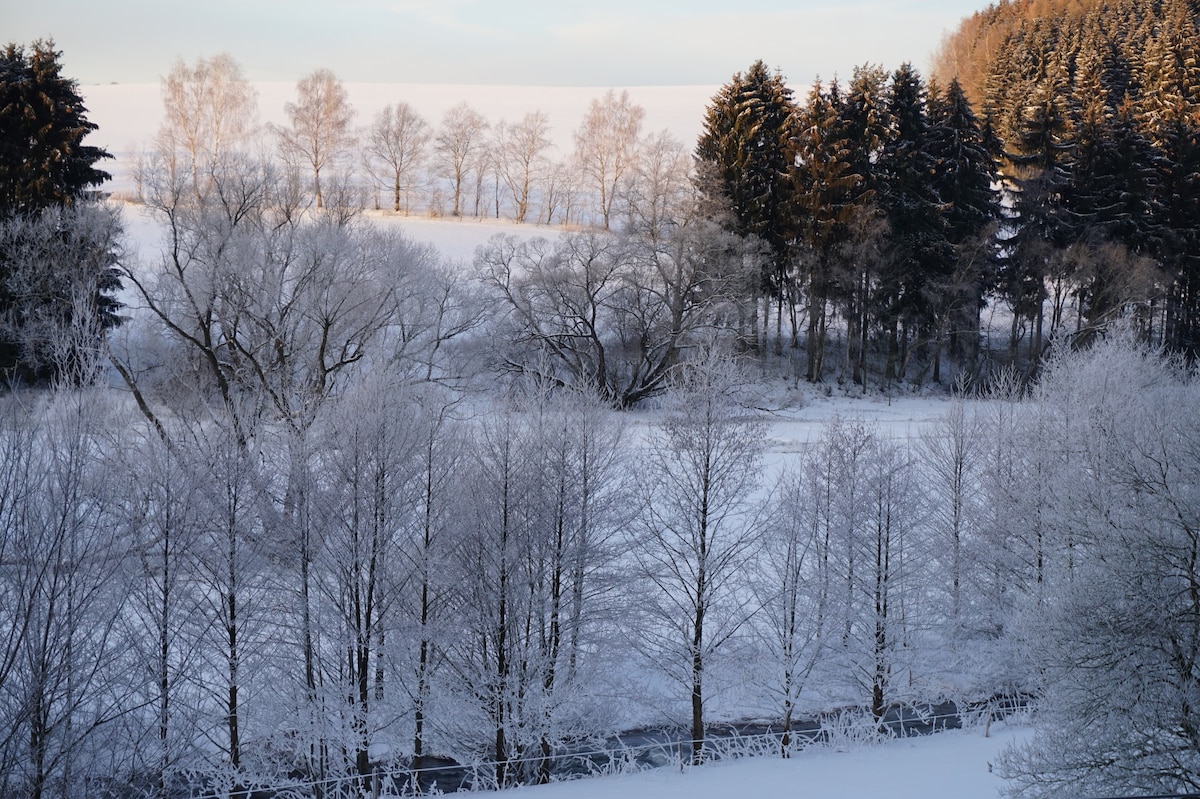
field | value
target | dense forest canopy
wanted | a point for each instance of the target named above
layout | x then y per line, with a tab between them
1041	32
1098	106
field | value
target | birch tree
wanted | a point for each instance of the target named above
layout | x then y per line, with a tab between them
537	564
787	582
520	156
61	551
210	114
320	133
606	146
395	148
460	147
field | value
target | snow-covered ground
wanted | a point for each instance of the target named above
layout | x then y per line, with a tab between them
949	765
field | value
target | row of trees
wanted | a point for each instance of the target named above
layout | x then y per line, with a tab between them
466	165
871	215
218	598
876	210
313	540
884	212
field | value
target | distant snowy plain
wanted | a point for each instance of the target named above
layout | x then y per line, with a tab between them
129	114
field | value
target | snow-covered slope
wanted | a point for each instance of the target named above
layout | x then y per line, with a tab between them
948	765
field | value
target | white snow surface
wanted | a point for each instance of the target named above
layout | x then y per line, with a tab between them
948	765
129	117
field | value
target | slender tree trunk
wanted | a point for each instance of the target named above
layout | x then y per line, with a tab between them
502	662
164	660
698	624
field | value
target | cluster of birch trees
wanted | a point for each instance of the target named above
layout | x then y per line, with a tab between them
464	165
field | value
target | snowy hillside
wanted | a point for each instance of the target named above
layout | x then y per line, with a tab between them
949	765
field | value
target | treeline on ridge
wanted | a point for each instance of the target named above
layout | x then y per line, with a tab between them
1095	104
1046	172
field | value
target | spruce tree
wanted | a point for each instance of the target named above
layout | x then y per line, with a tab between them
744	154
831	196
1179	238
919	254
1167	110
1099	105
1038	168
58	255
1109	198
43	161
964	174
864	120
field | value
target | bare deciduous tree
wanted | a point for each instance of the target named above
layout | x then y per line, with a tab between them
58	279
320	132
520	158
1116	641
609	312
606	146
787	583
210	112
460	148
698	527
561	187
661	191
951	458
395	149
61	548
543	485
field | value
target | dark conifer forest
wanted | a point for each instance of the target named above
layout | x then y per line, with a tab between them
1047	168
1094	108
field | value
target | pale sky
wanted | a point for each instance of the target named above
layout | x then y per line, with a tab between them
523	42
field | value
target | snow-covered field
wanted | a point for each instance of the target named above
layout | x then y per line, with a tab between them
949	765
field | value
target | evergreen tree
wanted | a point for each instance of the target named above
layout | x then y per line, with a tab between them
1099	103
963	175
744	154
865	120
919	253
964	164
1038	168
58	259
43	122
1109	199
831	196
1179	247
1168	110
